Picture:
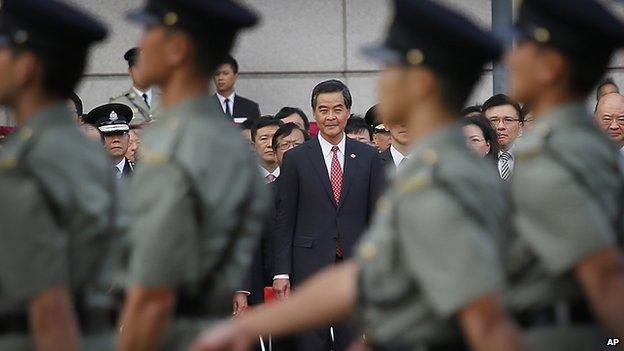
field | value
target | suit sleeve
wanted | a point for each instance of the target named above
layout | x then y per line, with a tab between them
286	215
256	110
377	183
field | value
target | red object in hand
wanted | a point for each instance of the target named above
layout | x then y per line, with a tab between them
269	296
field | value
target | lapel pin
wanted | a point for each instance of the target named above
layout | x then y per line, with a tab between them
352	155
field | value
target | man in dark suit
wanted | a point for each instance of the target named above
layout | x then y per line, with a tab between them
400	144
327	192
233	105
112	120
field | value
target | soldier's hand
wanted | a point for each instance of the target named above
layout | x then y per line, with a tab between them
223	337
281	288
239	303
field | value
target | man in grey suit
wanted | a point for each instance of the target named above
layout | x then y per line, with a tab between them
141	98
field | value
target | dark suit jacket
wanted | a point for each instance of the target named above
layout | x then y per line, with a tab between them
243	107
261	273
308	221
388	161
128	169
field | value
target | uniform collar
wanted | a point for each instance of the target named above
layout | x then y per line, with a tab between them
200	104
444	137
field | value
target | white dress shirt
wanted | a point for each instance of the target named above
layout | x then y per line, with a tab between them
148	93
265	173
120	166
511	162
230	102
326	149
397	156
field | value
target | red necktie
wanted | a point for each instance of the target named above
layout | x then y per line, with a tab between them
336	182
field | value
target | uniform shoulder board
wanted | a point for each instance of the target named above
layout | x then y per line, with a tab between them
533	144
419	180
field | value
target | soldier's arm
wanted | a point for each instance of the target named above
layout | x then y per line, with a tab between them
145	317
327	297
486	326
53	322
601	276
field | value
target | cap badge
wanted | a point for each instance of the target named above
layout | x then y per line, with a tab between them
542	35
113	116
415	57
170	18
20	37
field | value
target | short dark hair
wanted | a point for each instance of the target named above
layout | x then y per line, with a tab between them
77	102
285	130
357	124
229	60
287	111
471	109
526	109
332	86
262	122
131	57
502	100
489	134
60	72
246	124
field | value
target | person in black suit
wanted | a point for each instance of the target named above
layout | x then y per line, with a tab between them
112	120
327	192
235	106
400	147
260	273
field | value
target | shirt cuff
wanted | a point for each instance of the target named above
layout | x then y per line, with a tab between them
243	292
281	276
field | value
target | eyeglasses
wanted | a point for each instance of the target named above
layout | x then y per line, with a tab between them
287	145
506	120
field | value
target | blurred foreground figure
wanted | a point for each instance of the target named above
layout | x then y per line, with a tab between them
426	274
565	270
197	196
57	214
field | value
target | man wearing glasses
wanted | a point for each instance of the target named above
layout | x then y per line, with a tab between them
610	118
506	117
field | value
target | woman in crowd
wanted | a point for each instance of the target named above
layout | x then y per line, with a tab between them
481	137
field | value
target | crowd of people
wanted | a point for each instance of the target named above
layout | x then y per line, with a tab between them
422	225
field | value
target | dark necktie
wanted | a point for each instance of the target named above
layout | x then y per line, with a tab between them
505	171
228	111
336	183
145	98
